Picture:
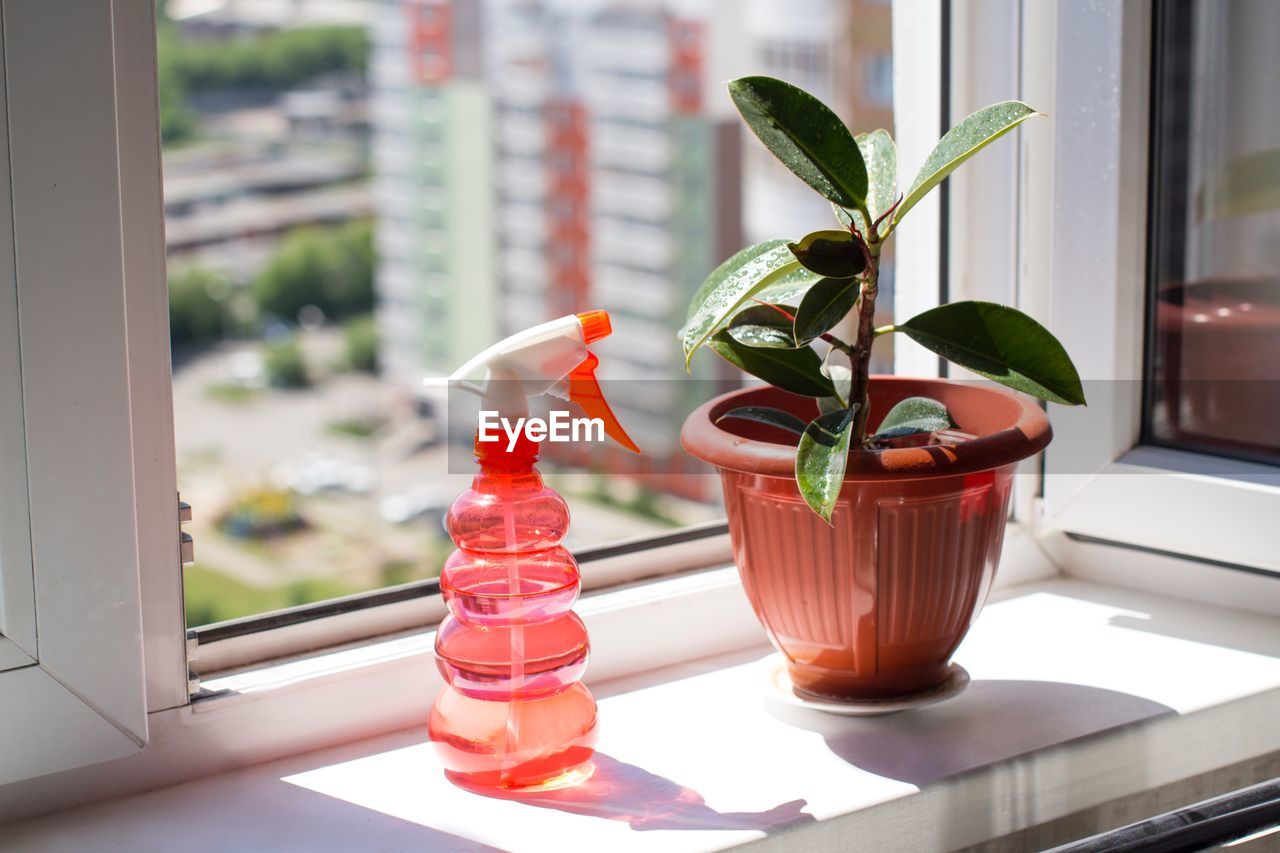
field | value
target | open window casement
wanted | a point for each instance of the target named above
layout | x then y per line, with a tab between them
87	497
1012	231
1104	483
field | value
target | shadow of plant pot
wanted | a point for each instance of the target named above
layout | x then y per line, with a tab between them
994	721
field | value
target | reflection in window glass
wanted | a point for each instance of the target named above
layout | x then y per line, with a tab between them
364	193
1214	356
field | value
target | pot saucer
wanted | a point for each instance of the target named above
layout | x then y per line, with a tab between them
781	689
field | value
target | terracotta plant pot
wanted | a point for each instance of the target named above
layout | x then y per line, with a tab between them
874	604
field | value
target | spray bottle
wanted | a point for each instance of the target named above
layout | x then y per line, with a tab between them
514	713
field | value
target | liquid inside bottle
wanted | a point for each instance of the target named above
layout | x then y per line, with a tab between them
514	713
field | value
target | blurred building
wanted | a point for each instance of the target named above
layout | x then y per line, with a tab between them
842	52
596	175
434	165
539	157
665	189
227	209
233	17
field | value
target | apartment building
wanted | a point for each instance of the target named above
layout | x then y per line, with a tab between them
537	158
433	119
842	52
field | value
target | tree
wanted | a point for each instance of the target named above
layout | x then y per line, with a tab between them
286	366
273	60
360	343
330	268
195	305
351	287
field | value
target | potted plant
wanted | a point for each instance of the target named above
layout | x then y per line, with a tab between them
866	513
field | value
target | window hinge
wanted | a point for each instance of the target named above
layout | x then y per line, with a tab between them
187	556
186	545
193	652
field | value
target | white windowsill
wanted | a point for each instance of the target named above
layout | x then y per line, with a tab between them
1081	694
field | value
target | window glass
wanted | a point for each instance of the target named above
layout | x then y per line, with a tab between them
1214	323
360	195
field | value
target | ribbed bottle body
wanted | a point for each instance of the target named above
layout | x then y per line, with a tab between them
514	713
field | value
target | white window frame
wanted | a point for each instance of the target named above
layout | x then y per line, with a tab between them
373	686
1156	501
83	241
1109	508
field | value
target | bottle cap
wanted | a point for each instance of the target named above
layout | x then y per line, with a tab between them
595	325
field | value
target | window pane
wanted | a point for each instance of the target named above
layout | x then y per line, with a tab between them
1214	357
360	195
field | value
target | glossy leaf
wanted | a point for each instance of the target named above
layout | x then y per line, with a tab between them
829	253
913	415
961	142
766	415
796	370
729	287
805	135
720	273
821	458
881	156
841	377
826	304
1002	344
786	287
763	326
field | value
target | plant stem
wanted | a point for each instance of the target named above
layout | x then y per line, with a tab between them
860	358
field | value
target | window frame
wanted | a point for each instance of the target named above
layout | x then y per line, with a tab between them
1117	493
918	31
240	643
74	77
17	583
280	715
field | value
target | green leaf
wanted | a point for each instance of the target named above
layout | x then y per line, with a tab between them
788	286
830	404
821	458
961	142
805	135
796	370
912	415
763	326
1002	344
841	377
730	285
881	156
766	415
829	253
826	304
720	273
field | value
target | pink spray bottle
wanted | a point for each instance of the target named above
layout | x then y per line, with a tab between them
514	713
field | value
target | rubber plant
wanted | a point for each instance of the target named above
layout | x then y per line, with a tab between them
766	308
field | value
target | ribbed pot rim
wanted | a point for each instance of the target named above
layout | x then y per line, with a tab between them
1021	430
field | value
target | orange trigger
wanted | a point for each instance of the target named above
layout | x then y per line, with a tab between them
584	389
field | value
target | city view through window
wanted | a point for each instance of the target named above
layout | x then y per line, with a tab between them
360	195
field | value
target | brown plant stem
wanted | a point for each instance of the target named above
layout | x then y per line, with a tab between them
860	356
